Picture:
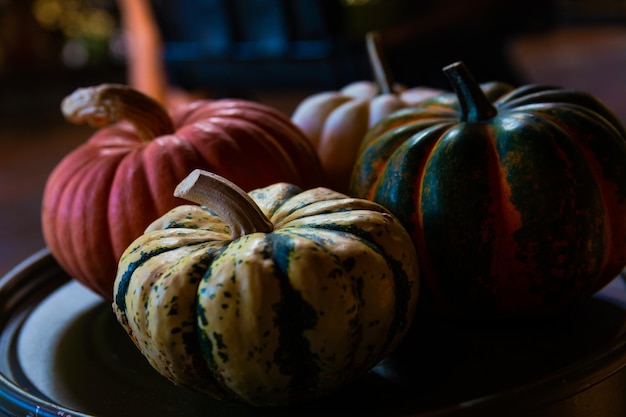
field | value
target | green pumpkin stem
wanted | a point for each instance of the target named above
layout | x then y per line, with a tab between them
109	103
230	202
474	106
382	74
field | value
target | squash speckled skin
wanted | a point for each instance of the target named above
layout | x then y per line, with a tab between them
270	318
517	206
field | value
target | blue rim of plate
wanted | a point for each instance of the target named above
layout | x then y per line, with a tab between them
18	297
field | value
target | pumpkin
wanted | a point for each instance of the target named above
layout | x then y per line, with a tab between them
103	194
517	207
271	298
336	121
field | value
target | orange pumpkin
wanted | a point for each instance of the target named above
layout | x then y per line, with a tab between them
336	121
104	194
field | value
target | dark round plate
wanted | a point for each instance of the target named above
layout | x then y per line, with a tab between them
62	353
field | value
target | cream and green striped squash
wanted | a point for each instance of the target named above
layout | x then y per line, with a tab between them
272	298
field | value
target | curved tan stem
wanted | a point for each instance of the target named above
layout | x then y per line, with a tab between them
229	201
379	66
108	103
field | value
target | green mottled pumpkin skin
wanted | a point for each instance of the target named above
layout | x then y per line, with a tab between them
517	212
270	318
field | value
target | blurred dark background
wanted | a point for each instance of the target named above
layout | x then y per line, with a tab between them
277	52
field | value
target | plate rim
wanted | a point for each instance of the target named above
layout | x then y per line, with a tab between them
580	375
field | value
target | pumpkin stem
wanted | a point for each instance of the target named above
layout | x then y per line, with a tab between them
229	201
474	106
378	63
108	103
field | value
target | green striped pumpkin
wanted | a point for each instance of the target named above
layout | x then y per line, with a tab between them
271	298
517	205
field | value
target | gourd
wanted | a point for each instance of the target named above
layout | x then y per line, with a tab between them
336	121
517	206
272	298
104	193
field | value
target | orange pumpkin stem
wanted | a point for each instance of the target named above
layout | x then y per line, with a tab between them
229	201
109	103
382	74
